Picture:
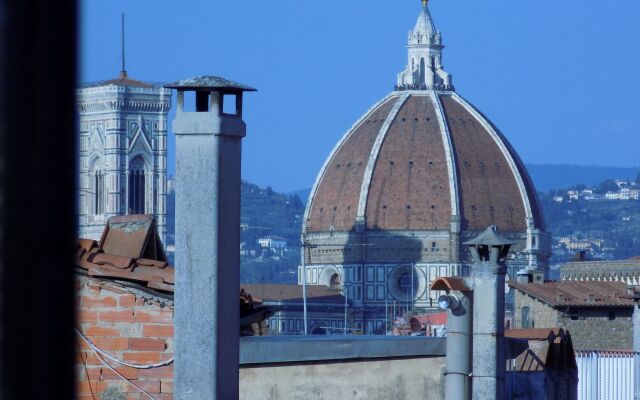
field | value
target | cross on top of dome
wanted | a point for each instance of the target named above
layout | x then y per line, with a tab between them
424	70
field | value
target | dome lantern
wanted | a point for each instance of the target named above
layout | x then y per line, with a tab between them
424	70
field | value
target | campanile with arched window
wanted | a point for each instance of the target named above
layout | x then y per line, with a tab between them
123	152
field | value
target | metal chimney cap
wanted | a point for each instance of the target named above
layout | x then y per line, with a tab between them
490	237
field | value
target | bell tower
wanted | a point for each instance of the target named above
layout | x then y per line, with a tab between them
123	151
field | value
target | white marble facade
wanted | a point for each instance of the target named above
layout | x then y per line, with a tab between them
123	152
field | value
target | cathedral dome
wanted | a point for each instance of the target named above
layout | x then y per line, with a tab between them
421	160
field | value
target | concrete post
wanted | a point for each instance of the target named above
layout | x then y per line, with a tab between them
489	252
207	314
636	326
636	345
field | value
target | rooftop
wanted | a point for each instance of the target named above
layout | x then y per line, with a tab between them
121	80
315	293
130	250
583	294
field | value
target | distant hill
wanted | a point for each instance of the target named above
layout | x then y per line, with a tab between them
265	212
555	176
551	176
303	194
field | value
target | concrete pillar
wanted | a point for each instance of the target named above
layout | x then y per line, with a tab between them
207	313
636	345
489	251
459	340
636	326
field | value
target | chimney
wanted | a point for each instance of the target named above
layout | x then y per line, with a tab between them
523	276
489	251
636	340
207	315
459	305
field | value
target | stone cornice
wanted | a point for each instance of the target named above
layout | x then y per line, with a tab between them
123	105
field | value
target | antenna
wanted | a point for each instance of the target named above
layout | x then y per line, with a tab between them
123	71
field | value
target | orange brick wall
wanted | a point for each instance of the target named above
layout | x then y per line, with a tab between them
130	325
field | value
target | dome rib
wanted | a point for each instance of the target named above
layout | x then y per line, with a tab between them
410	183
500	141
450	155
381	107
373	157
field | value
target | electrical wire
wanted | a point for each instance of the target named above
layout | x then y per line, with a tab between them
102	355
123	377
126	364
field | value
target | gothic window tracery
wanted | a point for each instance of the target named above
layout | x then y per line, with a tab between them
137	186
98	195
96	189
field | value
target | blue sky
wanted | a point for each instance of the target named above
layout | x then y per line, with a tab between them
559	78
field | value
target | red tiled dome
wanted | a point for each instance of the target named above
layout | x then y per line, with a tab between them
416	161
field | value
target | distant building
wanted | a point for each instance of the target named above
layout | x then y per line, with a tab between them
627	271
573	195
597	313
326	309
275	243
123	152
579	245
558	199
624	193
587	194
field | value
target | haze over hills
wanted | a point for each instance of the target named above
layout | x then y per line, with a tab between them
548	177
552	176
269	213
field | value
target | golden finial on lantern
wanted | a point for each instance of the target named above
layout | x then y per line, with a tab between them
425	3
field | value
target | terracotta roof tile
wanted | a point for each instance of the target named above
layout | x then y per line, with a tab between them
130	249
433	319
336	200
294	292
111	260
489	193
410	183
578	293
532	334
450	283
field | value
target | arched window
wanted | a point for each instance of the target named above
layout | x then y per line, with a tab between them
98	193
136	186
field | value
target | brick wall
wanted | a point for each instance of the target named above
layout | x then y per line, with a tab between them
590	329
131	325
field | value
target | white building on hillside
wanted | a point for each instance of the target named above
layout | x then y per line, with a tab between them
273	242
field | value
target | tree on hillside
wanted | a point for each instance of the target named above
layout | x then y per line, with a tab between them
607	186
295	202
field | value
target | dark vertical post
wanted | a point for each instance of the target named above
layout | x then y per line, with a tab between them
37	198
124	70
